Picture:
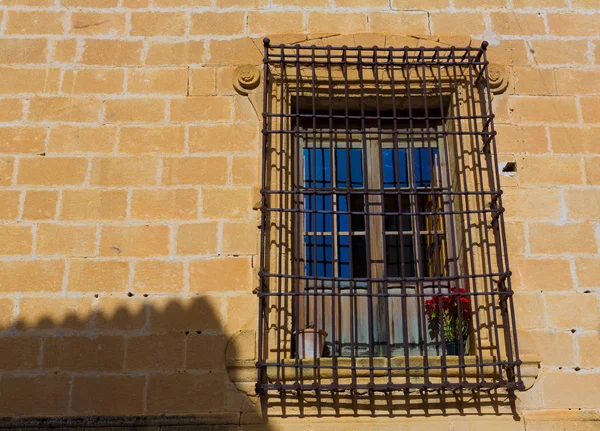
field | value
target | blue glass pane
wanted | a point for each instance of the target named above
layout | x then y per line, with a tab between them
423	160
342	205
319	256
317	167
352	177
318	222
344	256
391	159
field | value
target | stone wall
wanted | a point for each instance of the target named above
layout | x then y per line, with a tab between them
128	180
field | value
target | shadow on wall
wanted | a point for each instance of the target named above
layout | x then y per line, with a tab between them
133	360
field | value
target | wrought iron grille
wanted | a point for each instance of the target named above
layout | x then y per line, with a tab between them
381	206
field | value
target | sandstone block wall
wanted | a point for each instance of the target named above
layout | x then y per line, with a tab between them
128	174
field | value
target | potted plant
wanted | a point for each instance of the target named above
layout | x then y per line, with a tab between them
443	312
311	341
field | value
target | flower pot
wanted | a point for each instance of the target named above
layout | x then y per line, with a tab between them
307	339
453	348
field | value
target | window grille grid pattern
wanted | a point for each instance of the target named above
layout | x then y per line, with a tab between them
381	195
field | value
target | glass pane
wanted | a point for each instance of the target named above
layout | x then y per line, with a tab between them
351	177
317	167
319	256
395	168
358	261
390	205
318	221
423	161
399	249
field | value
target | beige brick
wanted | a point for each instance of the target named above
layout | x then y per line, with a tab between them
240	237
54	313
31	275
52	171
73	139
90	3
15	239
11	109
140	140
10	204
87	275
158	81
534	81
229	203
206	352
548	238
589	109
186	314
39	81
34	3
101	395
570	390
592	170
559	51
220	275
584	4
234	52
124	171
588	271
134	241
589	349
7	165
194	170
554	348
531	204
201	108
40	204
185	393
156	352
573	310
550	170
66	240
182	3
226	138
158	24
336	22
570	140
540	3
275	22
218	23
135	110
573	24
520	139
103	353
89	81
120	314
34	395
574	81
94	205
395	22
530	310
379	4
64	50
245	170
250	4
457	23
175	54
164	204
64	109
24	140
202	81
518	24
98	23
515	237
134	4
582	204
304	3
239	315
542	274
7	308
197	238
23	51
24	353
112	52
416	4
158	276
544	109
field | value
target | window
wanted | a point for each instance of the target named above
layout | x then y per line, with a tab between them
381	204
